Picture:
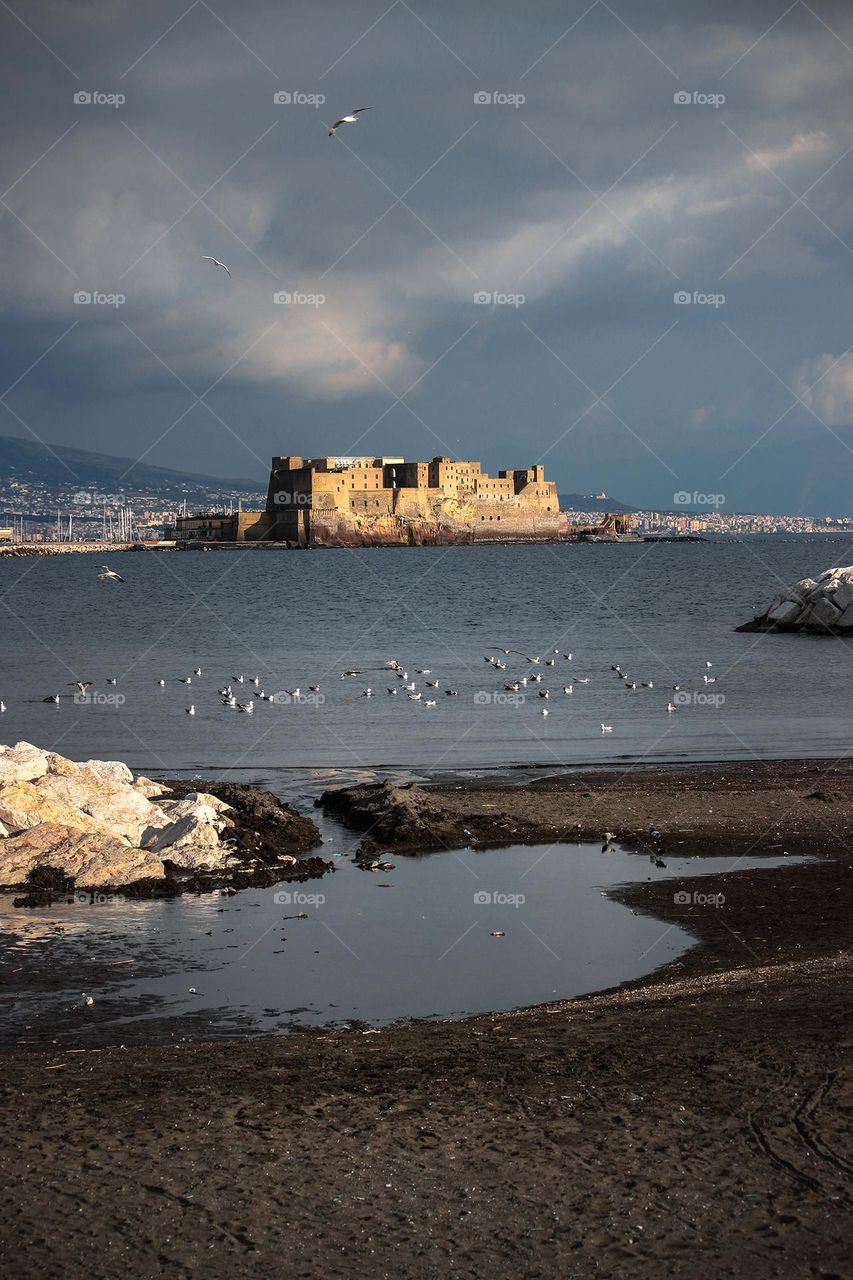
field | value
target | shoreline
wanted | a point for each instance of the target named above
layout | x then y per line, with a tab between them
689	1122
693	808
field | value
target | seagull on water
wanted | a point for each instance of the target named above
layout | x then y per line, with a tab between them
106	574
607	728
190	710
248	707
670	706
352	118
451	693
567	688
54	697
207	258
185	679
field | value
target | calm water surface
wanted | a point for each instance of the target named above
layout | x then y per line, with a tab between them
301	618
415	942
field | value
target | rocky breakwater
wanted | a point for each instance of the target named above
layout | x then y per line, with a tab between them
822	605
91	827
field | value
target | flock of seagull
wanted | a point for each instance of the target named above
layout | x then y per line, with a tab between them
424	692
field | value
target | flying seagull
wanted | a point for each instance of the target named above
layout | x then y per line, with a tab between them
352	118
207	258
105	574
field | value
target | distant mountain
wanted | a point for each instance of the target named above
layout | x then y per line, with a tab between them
34	463
588	502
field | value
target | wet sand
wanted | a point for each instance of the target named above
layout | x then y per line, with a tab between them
695	1124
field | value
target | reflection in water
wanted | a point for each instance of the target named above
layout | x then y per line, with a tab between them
441	936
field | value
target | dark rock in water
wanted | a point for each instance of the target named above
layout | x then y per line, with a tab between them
264	827
410	820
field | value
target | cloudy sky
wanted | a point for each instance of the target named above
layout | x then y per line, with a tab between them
582	164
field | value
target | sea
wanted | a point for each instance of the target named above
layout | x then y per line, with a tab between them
415	942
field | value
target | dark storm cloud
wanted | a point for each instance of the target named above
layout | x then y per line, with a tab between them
598	198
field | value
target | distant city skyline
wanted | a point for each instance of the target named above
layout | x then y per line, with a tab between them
613	239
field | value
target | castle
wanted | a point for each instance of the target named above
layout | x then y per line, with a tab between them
352	501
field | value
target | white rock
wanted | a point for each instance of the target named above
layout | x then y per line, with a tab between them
188	831
94	860
783	614
196	802
149	788
822	613
843	594
22	763
110	770
116	809
800	590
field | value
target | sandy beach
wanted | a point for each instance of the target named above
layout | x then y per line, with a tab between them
694	1123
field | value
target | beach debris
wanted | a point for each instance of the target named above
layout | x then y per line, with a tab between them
88	1000
498	933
